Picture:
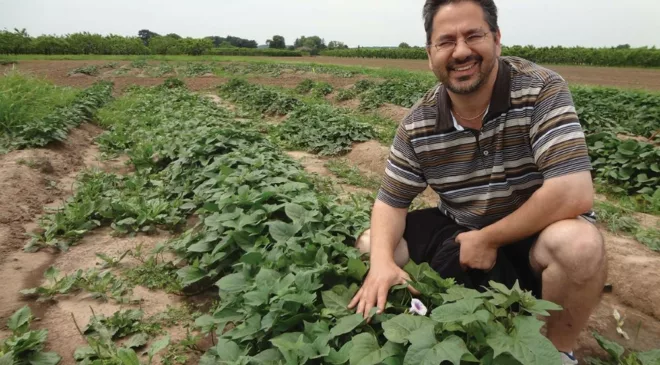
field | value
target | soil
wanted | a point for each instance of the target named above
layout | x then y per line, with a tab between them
30	179
36	178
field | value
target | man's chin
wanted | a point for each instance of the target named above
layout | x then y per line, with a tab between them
463	87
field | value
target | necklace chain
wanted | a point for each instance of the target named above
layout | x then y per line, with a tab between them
471	119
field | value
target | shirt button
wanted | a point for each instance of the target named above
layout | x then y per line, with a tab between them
485	153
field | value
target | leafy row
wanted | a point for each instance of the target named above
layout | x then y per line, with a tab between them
316	127
23	128
276	69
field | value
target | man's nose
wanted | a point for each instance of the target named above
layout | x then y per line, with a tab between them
461	51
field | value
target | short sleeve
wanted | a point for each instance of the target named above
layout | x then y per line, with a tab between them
557	138
403	179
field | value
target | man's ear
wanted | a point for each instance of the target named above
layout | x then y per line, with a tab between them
428	55
498	42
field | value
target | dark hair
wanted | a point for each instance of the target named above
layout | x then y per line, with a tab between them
431	7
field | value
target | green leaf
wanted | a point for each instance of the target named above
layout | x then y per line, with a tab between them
42	358
650	357
227	350
614	349
252	258
137	340
458	292
190	275
297	213
526	344
291	346
400	327
366	350
346	324
84	352
336	300
127	356
248	328
282	232
232	283
460	311
542	307
200	247
20	319
7	359
52	273
340	357
357	269
426	350
267	357
159	345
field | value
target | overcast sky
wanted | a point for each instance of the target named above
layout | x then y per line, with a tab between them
594	23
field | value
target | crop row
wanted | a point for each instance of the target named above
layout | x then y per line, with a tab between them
24	126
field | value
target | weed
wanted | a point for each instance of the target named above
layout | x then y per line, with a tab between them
24	346
352	174
89	70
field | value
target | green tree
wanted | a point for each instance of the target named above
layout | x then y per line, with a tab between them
336	45
277	42
146	35
404	45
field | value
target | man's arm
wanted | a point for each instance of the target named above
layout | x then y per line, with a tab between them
560	152
387	226
559	198
402	182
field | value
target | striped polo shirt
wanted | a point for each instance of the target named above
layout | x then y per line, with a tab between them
530	133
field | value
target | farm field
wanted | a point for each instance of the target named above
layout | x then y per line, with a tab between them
204	212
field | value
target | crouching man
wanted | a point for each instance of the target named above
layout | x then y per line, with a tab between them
499	140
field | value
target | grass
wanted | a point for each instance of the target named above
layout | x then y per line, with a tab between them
25	100
618	219
351	174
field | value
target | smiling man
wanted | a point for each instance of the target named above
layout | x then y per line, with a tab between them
499	140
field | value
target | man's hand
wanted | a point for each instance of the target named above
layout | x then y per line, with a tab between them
381	277
476	251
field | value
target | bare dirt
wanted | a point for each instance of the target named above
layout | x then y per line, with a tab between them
30	179
58	73
36	178
634	78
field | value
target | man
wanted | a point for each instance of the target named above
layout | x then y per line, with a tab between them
500	142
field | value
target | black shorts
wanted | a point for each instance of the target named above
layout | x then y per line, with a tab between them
431	238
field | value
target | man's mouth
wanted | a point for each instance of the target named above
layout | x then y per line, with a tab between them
464	68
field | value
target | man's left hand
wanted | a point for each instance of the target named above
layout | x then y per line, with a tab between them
476	251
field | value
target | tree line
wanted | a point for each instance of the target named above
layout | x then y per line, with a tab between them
148	42
619	56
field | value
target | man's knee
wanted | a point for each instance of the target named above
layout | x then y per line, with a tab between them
363	243
575	245
401	254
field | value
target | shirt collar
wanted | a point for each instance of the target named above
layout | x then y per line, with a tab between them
500	100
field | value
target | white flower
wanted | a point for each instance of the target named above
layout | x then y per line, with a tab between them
417	307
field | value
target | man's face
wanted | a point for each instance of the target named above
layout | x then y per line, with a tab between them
462	68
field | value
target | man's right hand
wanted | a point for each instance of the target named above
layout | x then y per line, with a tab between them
381	277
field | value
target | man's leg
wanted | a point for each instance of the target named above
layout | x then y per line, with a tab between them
570	256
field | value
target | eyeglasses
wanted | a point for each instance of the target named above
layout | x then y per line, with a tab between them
471	40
